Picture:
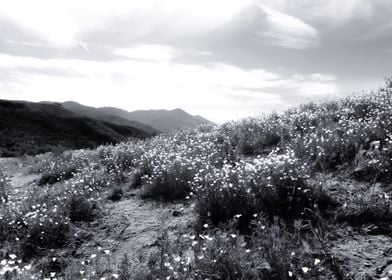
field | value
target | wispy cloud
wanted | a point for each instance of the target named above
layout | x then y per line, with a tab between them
288	31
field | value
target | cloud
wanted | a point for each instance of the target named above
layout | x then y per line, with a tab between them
288	31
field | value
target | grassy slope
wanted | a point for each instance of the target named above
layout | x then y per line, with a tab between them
300	195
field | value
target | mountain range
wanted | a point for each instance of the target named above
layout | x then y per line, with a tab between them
150	120
33	128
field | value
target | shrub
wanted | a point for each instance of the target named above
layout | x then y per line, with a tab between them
116	194
284	191
218	205
276	185
136	178
258	136
58	176
272	252
41	237
81	210
375	163
169	182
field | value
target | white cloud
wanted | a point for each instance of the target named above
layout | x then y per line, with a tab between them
289	31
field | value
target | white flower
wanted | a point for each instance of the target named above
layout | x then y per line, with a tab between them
305	269
13	256
316	261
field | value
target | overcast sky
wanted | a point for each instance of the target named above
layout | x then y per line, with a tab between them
222	59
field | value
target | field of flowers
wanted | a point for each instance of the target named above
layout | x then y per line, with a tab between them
259	190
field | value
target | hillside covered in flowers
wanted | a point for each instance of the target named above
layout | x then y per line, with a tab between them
304	194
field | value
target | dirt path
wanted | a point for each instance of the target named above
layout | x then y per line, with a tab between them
133	227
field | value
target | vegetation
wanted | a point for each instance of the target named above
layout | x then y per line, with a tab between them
263	206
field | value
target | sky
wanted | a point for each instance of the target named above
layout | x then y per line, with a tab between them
222	59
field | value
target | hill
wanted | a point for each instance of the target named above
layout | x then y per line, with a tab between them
32	128
100	114
152	121
162	120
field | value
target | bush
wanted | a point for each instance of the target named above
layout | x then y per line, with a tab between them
116	194
81	210
276	185
41	237
375	163
258	136
273	252
217	205
58	176
169	182
136	178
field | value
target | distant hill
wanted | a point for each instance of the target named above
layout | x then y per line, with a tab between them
100	114
162	120
32	128
151	121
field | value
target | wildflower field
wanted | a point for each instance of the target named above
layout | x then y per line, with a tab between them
304	194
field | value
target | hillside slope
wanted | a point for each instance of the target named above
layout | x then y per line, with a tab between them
32	128
305	194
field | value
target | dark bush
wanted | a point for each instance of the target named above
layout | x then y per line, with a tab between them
170	183
136	178
54	177
219	205
81	210
42	237
116	194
